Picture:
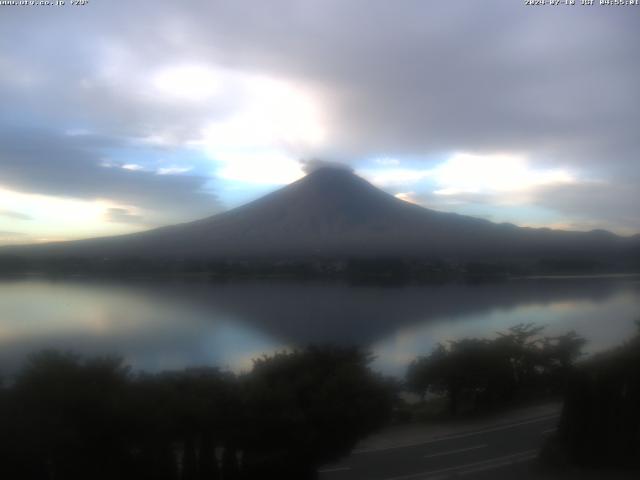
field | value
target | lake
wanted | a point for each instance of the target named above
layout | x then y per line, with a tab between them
169	324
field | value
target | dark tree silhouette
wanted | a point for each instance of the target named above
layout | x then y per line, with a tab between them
311	407
65	417
471	367
483	373
68	417
600	423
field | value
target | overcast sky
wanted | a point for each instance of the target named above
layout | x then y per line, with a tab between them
119	116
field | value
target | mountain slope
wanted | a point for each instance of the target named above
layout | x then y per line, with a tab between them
332	212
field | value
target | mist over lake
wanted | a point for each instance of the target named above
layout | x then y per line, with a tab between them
170	324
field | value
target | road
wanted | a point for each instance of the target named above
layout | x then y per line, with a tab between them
501	450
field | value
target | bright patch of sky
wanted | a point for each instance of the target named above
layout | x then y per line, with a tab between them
51	218
262	141
469	173
168	160
186	82
496	187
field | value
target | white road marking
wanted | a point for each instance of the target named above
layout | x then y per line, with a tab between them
472	467
337	469
524	457
544	432
456	436
460	450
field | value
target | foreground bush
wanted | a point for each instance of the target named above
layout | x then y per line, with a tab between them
518	364
600	423
69	418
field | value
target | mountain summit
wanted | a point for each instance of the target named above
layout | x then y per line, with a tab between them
332	212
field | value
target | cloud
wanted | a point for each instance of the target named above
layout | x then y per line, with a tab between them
173	170
187	82
469	173
45	162
406	196
62	218
389	79
8	237
596	204
311	165
259	168
123	215
359	80
15	215
134	167
472	175
390	177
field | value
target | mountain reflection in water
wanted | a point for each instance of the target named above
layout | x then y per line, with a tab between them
158	325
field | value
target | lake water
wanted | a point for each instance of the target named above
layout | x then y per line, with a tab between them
169	324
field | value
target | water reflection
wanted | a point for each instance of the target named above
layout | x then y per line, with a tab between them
605	322
157	325
151	329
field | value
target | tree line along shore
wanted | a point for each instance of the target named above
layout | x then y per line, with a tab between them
65	416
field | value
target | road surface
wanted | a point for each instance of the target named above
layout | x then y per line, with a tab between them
491	451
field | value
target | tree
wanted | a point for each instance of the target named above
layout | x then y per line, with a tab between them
468	367
600	422
66	416
517	362
310	407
